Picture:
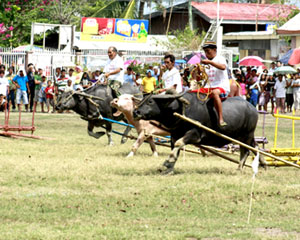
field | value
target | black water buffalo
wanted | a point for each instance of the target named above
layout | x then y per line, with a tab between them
91	109
241	118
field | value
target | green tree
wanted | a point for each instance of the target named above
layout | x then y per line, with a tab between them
183	40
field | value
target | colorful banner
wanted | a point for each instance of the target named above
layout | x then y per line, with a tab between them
114	30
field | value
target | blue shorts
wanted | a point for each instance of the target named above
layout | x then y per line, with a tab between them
42	100
22	95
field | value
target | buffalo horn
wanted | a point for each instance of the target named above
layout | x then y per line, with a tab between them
87	95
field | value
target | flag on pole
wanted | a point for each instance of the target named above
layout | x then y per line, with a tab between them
255	164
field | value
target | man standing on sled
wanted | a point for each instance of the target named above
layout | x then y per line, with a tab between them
218	83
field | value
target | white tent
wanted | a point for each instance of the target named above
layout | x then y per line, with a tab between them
291	27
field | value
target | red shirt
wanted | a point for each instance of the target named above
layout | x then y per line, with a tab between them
48	92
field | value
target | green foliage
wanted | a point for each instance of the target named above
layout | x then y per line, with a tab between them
130	10
183	40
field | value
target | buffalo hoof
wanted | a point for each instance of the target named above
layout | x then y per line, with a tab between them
111	144
167	168
166	171
155	154
96	135
124	140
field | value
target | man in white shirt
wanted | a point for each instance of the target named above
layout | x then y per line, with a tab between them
296	91
114	70
218	85
171	79
4	85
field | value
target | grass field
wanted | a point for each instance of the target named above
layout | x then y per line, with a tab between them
72	186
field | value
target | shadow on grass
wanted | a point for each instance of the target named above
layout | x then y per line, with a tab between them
177	172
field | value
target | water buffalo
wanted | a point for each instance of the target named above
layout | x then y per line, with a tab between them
91	109
240	115
126	104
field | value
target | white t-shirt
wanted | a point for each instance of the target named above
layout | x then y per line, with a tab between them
218	77
172	77
280	88
3	86
73	78
296	89
114	64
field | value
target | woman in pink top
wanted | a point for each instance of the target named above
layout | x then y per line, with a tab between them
242	82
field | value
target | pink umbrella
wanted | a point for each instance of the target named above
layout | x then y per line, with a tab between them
295	57
196	58
251	61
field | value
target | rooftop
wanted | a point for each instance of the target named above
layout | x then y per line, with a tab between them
243	12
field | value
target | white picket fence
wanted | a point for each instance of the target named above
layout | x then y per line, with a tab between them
49	59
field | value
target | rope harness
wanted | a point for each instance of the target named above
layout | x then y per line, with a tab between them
200	76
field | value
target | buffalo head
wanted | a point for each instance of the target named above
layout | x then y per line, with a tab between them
66	101
152	107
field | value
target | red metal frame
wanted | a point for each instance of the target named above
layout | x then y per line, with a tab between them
10	130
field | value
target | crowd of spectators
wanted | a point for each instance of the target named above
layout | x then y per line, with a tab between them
33	88
282	91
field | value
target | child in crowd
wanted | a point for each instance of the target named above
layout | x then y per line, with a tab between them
42	94
50	95
148	83
69	86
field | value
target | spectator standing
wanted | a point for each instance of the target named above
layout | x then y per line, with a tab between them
42	93
37	81
296	92
240	78
254	87
262	84
156	75
280	91
129	77
21	82
78	75
4	85
12	88
31	84
273	68
269	92
114	70
57	73
70	86
289	98
50	96
138	80
71	75
61	82
171	79
85	80
98	77
148	83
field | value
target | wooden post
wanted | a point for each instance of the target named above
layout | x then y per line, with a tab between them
198	124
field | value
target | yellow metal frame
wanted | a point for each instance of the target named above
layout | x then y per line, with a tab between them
289	154
293	118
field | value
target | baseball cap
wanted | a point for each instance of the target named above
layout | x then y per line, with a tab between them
148	71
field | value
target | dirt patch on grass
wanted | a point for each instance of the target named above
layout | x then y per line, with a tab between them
277	232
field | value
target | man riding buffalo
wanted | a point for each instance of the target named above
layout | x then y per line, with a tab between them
218	83
114	70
